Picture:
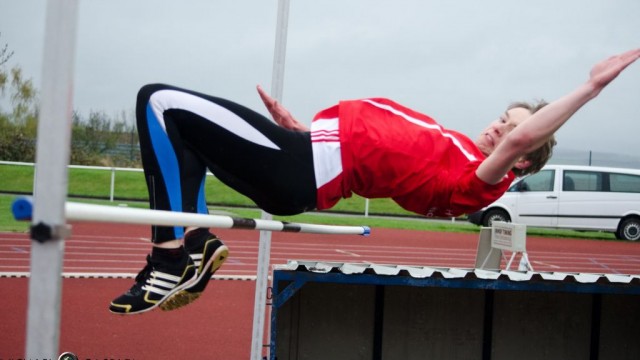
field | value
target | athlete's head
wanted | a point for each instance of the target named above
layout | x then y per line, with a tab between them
497	131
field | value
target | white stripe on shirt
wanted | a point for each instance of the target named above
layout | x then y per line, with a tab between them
424	124
325	145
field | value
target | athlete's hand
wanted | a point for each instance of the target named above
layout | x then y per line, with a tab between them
605	71
281	115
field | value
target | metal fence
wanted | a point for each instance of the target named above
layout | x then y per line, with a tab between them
113	171
560	156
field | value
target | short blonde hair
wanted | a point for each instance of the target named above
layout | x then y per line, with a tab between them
541	155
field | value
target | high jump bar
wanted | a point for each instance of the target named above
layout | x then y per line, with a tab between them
22	209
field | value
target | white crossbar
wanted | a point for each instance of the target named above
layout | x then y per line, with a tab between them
23	207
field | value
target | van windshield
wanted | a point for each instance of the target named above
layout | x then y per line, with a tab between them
541	181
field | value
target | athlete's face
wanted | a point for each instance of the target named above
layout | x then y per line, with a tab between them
498	130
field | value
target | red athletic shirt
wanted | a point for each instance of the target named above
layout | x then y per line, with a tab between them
388	150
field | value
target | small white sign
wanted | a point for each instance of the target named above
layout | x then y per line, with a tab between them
508	236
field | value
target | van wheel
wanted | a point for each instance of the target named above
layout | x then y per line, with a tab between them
629	229
495	215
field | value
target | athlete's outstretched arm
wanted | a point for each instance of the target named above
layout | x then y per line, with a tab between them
535	130
281	115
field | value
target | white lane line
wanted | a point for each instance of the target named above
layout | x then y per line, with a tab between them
347	253
92	275
546	264
605	266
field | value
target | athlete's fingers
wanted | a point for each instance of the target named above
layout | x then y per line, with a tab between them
279	113
263	95
607	70
266	99
631	54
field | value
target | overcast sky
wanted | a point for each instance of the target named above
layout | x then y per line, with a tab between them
459	61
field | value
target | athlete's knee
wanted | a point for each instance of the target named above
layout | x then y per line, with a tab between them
146	91
144	95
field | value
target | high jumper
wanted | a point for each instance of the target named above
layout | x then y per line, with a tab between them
371	147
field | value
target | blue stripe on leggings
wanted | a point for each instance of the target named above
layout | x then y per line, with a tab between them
168	163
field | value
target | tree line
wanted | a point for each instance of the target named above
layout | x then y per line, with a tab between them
96	139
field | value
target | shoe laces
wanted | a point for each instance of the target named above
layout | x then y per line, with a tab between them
141	278
144	274
146	280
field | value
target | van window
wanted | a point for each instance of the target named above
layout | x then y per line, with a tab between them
624	183
582	181
542	181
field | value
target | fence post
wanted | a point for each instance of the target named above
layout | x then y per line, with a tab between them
366	207
113	183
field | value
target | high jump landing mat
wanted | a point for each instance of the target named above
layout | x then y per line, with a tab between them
359	311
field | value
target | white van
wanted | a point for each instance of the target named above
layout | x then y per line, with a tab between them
571	197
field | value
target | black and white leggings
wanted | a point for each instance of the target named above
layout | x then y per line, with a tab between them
182	133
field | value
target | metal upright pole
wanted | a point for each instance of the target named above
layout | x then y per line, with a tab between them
264	251
52	157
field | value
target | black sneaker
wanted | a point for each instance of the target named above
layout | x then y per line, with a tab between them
208	254
156	283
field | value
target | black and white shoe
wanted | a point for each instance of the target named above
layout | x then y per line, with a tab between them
208	253
156	284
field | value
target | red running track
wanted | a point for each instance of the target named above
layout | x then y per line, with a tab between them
218	325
